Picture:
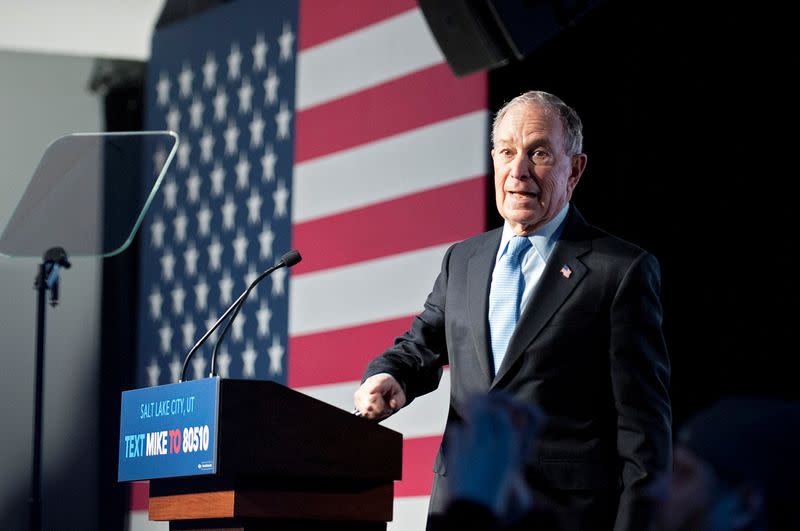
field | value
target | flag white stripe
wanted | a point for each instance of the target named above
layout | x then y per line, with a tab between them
422	159
424	417
373	290
361	59
409	513
140	521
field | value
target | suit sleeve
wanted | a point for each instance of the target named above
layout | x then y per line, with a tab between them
640	370
417	357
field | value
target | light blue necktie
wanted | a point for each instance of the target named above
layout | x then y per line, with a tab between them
504	299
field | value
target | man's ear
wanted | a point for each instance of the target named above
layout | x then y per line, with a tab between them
750	504
578	166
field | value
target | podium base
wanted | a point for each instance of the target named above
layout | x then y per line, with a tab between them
170	501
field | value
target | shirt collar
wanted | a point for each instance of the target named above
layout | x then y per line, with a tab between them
543	240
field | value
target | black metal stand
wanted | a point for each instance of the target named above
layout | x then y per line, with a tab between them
47	280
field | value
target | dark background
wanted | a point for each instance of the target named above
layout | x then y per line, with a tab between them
688	113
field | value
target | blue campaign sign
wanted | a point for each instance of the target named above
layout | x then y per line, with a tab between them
169	431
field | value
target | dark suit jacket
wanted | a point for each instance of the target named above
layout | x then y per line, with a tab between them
588	349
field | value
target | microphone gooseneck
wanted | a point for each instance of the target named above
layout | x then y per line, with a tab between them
287	260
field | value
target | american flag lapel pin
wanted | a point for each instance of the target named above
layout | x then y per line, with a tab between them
566	271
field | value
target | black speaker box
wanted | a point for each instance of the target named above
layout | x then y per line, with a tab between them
478	34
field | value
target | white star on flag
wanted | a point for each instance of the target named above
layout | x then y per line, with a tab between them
245	96
167	266
155	300
254	206
268	162
228	213
209	71
184	150
193	186
263	315
173	119
249	360
223	362
240	248
275	357
165	335
225	288
206	146
231	137
185	81
178	295
237	328
242	172
265	239
157	233
201	294
220	102
162	87
214	255
280	197
278	279
234	61
170	194
188	329
285	41
217	179
259	50
212	318
153	372
271	87
180	222
282	120
256	130
204	216
199	366
159	158
196	113
251	275
190	256
175	367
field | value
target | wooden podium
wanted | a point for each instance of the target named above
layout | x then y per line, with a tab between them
286	461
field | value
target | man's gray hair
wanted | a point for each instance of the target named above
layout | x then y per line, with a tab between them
570	121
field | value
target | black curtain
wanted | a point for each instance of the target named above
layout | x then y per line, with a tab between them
684	107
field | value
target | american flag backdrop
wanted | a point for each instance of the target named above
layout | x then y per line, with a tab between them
331	126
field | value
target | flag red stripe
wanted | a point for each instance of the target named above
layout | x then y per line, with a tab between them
323	20
313	358
422	98
432	217
418	457
140	496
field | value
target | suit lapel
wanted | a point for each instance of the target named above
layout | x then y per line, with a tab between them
479	273
553	289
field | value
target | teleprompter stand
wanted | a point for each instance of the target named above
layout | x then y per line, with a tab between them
73	201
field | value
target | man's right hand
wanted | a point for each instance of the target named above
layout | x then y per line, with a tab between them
379	396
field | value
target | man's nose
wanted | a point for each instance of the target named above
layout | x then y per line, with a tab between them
520	167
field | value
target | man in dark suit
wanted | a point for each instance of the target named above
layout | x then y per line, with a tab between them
553	311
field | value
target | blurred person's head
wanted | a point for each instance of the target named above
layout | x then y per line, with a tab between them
735	468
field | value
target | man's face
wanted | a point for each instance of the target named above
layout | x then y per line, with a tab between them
533	175
697	500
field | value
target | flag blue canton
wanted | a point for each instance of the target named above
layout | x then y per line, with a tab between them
223	80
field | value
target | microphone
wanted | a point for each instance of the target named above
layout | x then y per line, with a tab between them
287	260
